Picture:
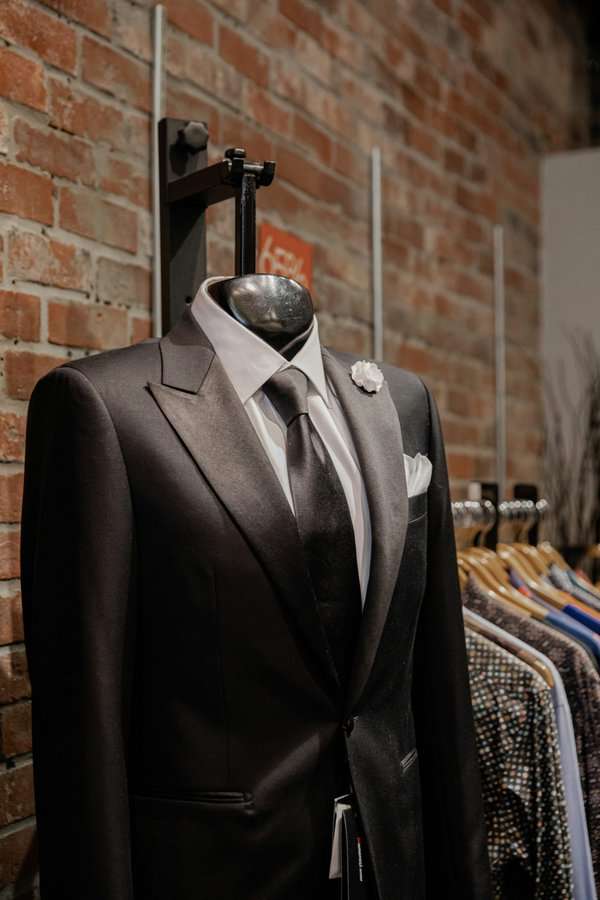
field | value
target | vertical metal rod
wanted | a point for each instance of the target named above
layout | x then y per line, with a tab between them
245	227
500	340
157	114
376	254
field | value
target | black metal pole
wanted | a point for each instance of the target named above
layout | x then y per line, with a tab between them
245	226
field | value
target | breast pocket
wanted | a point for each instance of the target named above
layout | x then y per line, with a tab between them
417	506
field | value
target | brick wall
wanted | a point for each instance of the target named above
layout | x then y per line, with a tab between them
462	96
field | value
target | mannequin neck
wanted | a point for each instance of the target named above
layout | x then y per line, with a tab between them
278	310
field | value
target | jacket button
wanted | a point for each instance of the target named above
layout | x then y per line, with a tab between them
348	725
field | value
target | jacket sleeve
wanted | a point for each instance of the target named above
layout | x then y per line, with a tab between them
76	553
456	860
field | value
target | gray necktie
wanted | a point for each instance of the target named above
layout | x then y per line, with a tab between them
322	516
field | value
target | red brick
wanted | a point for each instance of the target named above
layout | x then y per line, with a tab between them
51	38
11	619
25	194
90	215
22	80
316	182
412	40
176	51
15	733
22	369
18	857
314	59
184	104
243	56
460	465
11	492
32	257
461	433
484	9
90	325
140	329
476	202
275	30
212	74
427	82
46	149
238	9
94	14
303	16
4	130
16	794
124	283
306	134
268	113
9	555
19	315
12	438
348	162
237	131
120	75
487	68
362	97
454	162
193	18
14	678
470	25
343	46
279	197
422	141
124	179
133	30
345	335
415	103
78	113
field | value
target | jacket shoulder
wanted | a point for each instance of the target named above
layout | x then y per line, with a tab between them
119	368
115	375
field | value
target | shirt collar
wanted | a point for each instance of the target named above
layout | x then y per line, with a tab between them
249	361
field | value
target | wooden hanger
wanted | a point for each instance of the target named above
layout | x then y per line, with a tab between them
505	593
523	568
521	652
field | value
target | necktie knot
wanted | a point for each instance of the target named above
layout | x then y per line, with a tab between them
288	392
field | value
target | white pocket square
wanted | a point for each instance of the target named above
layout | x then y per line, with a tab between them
418	473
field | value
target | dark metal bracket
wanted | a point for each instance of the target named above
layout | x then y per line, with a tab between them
187	188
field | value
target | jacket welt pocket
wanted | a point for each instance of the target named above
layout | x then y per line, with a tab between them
417	506
214	799
407	761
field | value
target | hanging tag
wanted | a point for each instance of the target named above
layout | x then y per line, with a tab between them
353	874
335	865
347	861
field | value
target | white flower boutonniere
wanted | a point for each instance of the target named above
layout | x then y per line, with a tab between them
367	375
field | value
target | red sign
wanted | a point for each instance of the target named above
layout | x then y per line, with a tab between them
281	253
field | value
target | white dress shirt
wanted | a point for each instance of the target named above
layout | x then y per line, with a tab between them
249	362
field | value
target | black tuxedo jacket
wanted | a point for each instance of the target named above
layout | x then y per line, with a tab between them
189	731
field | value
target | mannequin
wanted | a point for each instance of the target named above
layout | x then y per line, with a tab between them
277	309
202	735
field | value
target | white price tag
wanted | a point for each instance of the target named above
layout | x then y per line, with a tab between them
335	865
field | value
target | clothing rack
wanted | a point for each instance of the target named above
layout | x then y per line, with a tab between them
187	188
480	519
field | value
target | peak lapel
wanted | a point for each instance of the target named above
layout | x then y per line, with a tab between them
198	399
375	428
